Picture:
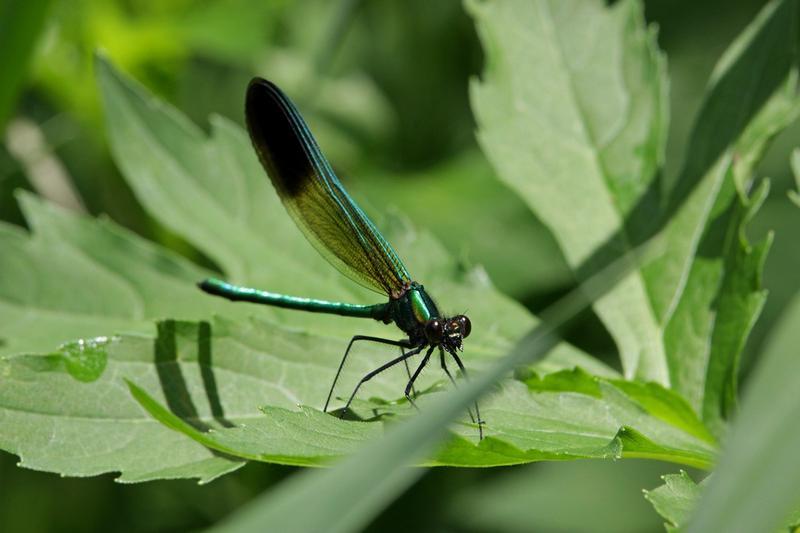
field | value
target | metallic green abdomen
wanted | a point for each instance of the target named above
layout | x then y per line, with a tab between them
245	294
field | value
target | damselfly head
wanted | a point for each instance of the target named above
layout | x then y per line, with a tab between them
448	331
464	325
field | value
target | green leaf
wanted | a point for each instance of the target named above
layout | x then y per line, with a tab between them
721	301
306	438
666	405
174	170
722	297
208	381
74	277
756	484
572	114
736	309
41	397
668	320
58	419
521	427
675	499
45	300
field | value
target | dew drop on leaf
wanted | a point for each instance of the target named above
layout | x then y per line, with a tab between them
85	359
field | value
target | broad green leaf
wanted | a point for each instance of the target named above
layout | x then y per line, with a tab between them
77	278
305	438
521	426
21	24
675	499
752	82
213	379
58	419
666	318
80	278
74	277
149	276
572	114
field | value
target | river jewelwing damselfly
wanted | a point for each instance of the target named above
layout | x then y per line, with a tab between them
347	238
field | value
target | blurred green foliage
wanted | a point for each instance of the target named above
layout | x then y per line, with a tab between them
20	27
394	114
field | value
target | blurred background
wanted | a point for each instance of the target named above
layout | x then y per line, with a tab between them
384	86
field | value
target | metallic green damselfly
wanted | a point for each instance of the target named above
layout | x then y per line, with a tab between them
347	238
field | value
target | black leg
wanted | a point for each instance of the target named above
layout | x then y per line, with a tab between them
377	371
453	381
477	412
413	378
444	366
401	344
408	371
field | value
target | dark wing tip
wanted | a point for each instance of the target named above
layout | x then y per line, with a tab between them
276	130
258	80
260	87
262	99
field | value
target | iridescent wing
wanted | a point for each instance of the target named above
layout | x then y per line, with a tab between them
314	196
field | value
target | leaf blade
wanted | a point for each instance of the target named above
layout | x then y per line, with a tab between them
590	177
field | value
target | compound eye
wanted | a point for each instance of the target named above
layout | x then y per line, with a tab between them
465	324
433	330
